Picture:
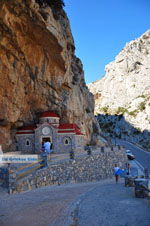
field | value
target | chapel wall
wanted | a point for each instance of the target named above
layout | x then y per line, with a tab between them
61	147
22	143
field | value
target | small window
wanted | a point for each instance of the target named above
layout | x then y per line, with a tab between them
27	142
66	141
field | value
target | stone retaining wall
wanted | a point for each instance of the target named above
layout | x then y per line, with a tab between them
83	168
4	177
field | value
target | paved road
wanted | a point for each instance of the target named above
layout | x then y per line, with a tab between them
141	156
88	204
102	203
47	206
113	205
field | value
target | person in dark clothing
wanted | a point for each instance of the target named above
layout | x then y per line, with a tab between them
128	169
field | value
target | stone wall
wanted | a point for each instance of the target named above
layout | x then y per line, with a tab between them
21	143
4	175
65	148
84	168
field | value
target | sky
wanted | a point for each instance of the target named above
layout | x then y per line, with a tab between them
101	28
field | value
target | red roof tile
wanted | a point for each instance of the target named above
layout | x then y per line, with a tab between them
49	114
63	128
68	126
78	132
66	131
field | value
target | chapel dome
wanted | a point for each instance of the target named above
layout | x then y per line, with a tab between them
49	114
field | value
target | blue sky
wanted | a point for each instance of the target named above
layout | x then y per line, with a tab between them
101	28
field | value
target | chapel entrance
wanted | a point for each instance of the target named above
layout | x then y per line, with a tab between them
44	139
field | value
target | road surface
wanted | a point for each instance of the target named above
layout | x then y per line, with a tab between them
113	205
142	156
103	203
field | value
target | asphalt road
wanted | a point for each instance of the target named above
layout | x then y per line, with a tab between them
113	205
102	203
46	206
141	156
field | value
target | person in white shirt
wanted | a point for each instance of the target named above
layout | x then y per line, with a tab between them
116	168
47	146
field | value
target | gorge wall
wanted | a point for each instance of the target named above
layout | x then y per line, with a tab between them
39	71
122	96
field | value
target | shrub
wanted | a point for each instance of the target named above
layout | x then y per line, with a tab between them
137	132
105	109
121	110
142	106
133	113
143	96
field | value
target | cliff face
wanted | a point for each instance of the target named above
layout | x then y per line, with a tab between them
39	71
125	89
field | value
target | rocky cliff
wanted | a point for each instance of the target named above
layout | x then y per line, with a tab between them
39	70
125	91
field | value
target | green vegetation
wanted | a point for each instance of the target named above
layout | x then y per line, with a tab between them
107	127
121	110
137	131
105	109
143	96
142	106
133	113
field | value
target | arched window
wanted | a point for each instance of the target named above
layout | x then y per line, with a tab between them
67	141
28	142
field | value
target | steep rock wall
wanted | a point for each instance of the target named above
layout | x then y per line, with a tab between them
125	90
39	71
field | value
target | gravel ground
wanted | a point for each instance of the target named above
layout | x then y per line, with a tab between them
40	207
113	205
91	204
101	203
